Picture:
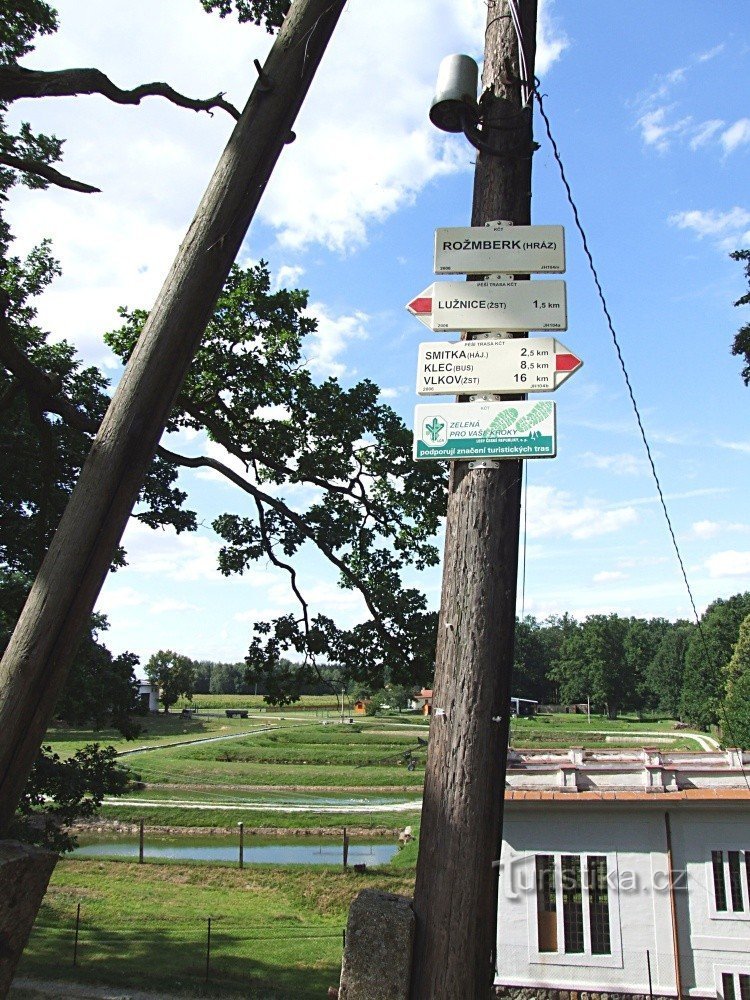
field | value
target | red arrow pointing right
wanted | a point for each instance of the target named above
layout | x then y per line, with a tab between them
566	362
421	306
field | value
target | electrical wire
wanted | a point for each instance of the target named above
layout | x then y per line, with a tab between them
626	376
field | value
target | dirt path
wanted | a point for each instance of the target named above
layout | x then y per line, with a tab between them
704	742
202	739
45	989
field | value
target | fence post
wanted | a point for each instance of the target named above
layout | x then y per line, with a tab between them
75	940
346	850
140	843
208	950
242	844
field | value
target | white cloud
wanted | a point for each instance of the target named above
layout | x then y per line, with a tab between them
551	40
729	563
161	552
172	604
705	132
324	347
710	529
288	275
736	135
608	576
115	597
365	145
624	464
657	131
710	53
729	229
555	512
660	120
704	491
706	529
743	446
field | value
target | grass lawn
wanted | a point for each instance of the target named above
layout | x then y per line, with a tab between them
276	932
157	730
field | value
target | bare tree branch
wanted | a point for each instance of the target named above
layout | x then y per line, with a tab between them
49	173
17	82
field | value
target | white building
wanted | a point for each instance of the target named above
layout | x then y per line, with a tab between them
585	901
147	690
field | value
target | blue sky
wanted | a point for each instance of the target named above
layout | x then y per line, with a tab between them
647	105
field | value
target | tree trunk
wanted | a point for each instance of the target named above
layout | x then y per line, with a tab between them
461	832
36	662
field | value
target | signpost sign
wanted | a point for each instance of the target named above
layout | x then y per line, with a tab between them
500	249
479	430
492	305
537	364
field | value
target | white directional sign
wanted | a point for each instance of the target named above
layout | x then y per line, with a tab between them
491	305
478	430
500	249
533	364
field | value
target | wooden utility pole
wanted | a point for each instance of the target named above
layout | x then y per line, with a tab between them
455	898
36	662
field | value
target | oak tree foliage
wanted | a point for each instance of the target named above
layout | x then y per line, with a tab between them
61	792
50	406
736	718
708	652
321	465
741	343
270	13
174	674
365	505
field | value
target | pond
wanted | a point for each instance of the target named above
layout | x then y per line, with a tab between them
276	851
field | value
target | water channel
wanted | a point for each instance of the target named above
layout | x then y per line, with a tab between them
269	851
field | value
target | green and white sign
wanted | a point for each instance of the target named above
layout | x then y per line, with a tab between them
477	430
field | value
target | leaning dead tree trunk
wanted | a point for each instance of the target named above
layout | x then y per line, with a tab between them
36	662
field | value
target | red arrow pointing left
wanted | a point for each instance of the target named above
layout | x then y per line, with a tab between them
420	306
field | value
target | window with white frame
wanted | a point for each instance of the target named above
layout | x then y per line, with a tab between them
735	986
572	904
730	872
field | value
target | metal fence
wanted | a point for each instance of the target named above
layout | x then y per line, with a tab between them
289	958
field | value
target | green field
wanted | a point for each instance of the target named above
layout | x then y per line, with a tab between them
308	702
276	932
266	760
158	730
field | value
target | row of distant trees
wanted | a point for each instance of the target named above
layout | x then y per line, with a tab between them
696	672
682	669
179	676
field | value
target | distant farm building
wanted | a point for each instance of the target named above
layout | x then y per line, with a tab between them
422	702
360	706
148	696
523	707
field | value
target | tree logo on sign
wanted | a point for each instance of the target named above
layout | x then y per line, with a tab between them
434	431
